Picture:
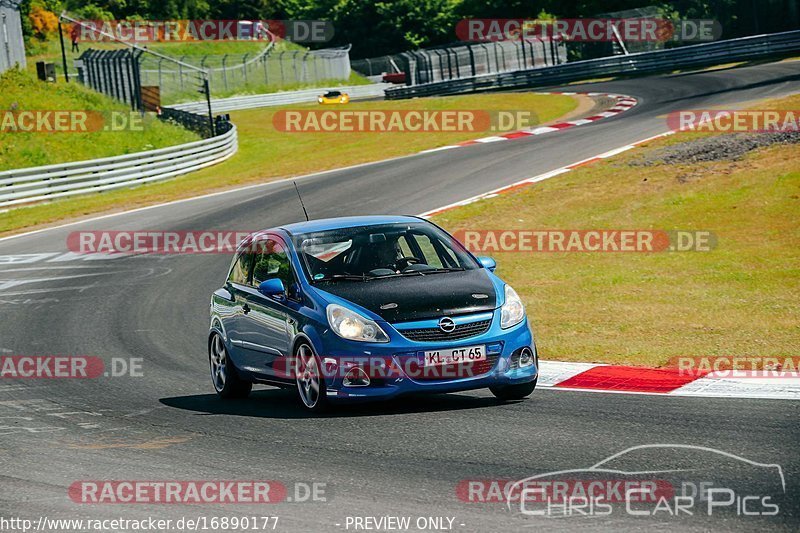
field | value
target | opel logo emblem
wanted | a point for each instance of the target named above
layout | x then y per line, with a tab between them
447	325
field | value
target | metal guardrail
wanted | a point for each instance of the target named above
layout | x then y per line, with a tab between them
700	55
223	105
36	184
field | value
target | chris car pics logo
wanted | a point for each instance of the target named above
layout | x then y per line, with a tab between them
665	481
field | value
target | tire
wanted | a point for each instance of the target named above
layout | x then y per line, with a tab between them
514	392
309	380
224	377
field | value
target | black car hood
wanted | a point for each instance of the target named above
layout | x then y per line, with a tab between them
419	297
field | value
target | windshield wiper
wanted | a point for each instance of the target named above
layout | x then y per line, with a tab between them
346	277
420	272
412	273
438	270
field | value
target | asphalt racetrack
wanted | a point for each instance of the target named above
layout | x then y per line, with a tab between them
404	458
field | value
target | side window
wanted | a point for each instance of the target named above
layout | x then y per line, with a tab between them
240	270
272	262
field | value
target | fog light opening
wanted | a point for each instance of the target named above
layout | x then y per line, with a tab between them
356	377
526	358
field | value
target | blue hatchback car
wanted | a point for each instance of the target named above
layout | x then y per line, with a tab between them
367	308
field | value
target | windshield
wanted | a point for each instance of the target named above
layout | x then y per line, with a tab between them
371	252
333	94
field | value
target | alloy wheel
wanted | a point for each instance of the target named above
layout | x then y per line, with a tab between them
307	376
219	362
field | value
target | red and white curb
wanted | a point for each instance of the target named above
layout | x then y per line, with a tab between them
622	104
541	177
664	381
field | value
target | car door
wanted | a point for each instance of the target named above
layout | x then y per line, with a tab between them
266	332
230	304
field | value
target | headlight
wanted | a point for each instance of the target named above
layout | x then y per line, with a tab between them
352	326
512	312
319	99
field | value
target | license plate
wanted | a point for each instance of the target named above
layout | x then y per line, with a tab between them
455	356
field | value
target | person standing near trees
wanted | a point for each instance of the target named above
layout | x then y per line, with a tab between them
73	34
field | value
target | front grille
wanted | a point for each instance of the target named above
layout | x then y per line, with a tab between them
417	372
462	331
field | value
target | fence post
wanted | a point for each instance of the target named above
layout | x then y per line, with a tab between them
244	66
441	64
119	87
93	72
315	67
488	61
137	81
63	50
305	66
125	59
224	71
104	61
208	102
96	70
449	65
471	58
81	71
532	54
294	64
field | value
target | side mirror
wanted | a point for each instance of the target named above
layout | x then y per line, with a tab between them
488	263
272	288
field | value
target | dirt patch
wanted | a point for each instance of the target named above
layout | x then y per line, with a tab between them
587	106
728	147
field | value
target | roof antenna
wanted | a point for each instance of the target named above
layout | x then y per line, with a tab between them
301	200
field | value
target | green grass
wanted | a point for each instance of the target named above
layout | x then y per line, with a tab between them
267	154
200	48
742	298
22	91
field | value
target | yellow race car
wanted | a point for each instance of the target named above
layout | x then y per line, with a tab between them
334	97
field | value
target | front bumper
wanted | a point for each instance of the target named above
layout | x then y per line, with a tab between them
400	354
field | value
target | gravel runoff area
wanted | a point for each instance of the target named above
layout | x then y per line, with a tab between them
718	148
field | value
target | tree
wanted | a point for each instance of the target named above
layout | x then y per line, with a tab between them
43	23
